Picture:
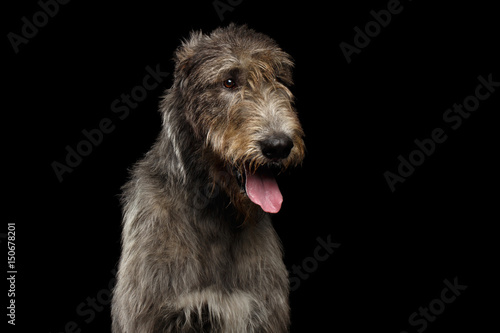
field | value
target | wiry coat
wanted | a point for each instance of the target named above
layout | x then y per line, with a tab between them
197	255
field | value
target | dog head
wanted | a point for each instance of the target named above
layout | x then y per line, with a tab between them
233	84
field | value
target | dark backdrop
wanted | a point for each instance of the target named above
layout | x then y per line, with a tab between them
370	103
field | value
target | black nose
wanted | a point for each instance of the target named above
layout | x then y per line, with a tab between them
276	146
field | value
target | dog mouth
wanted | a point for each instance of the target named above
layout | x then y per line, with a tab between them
261	187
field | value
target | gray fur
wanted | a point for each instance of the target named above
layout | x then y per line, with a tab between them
197	254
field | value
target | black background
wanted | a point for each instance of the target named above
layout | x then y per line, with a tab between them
396	248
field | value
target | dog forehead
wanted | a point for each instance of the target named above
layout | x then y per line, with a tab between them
241	37
244	45
243	54
235	51
245	67
237	62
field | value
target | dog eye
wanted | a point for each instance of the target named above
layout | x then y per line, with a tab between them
230	83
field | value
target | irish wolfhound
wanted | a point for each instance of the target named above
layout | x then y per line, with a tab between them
199	253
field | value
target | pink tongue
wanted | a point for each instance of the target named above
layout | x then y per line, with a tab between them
263	190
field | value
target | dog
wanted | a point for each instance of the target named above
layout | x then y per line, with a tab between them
199	252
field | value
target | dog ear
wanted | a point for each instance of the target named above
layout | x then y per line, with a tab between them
185	51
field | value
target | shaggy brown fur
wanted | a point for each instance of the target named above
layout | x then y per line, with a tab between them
199	254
